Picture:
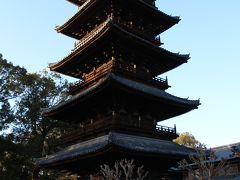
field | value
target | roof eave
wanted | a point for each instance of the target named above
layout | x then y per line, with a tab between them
113	141
135	86
181	58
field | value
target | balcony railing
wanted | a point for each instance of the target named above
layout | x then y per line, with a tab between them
139	72
92	76
120	67
113	123
166	129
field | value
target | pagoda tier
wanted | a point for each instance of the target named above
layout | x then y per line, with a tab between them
112	39
85	158
119	104
114	93
94	12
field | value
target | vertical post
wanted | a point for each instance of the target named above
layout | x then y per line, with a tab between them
175	128
134	68
139	121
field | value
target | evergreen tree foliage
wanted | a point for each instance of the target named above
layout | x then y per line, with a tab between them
24	133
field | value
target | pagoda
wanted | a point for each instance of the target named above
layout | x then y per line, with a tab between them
120	99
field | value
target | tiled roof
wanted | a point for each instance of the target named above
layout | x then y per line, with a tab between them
138	86
131	143
153	90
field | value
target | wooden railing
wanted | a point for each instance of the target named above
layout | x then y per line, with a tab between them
139	72
122	68
166	129
96	73
113	123
92	76
88	129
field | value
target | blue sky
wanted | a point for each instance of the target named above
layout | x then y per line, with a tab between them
209	31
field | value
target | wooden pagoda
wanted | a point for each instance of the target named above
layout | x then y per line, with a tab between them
119	98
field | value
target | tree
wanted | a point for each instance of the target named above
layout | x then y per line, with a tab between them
10	88
13	161
40	91
124	169
22	97
187	139
204	164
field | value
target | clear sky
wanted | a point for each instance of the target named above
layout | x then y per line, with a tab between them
209	31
